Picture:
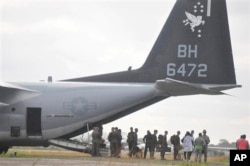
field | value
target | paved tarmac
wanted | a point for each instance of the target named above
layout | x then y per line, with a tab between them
89	161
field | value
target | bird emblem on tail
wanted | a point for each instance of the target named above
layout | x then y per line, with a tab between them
193	21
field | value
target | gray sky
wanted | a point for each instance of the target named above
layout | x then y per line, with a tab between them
75	38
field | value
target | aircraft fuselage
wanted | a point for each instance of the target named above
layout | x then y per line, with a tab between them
61	108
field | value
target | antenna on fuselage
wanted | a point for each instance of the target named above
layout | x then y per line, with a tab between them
50	79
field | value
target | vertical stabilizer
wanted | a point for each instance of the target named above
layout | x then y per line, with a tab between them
194	44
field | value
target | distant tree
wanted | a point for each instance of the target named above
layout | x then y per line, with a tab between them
212	145
224	143
233	145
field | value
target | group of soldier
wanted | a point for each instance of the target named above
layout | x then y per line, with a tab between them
190	144
132	140
115	138
153	142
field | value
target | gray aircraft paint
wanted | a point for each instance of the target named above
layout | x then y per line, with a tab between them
69	106
192	55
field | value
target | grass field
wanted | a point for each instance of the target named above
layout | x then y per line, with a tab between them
65	154
26	152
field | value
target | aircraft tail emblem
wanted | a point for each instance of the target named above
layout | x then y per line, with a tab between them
196	19
193	21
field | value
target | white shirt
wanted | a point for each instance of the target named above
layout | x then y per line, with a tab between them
187	143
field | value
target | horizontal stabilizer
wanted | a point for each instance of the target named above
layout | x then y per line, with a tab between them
171	87
11	94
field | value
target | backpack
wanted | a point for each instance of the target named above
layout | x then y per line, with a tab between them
173	139
160	139
130	137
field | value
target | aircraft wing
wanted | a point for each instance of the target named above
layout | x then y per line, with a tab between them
10	94
171	87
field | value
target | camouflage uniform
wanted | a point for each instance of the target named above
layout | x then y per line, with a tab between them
135	140
115	143
177	144
110	138
119	142
96	139
199	143
147	139
207	141
153	144
130	141
164	145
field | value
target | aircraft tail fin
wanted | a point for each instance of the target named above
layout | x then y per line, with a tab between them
193	46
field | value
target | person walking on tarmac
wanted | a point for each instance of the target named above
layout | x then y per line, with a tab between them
153	144
130	141
119	142
163	143
135	140
188	142
110	138
147	139
96	139
175	140
199	143
242	143
207	140
115	142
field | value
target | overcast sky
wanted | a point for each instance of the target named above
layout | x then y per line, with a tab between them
75	38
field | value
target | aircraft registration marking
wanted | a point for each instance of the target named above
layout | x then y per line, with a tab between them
187	69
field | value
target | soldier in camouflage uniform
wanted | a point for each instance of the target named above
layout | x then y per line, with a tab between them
110	138
147	139
153	144
135	140
164	145
207	141
116	137
199	143
96	139
119	136
130	141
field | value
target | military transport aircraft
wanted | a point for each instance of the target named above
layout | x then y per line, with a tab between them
191	56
